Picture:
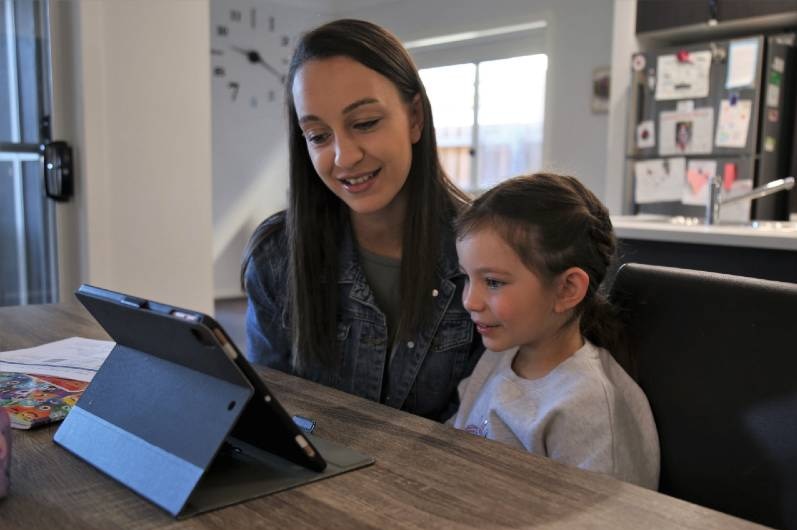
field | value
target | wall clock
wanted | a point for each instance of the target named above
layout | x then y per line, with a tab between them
250	53
251	44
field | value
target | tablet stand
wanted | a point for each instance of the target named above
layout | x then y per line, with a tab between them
162	428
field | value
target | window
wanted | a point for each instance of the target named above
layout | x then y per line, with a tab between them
488	110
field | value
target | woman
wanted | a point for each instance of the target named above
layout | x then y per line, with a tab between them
356	285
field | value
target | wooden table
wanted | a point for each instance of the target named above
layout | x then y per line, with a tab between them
426	475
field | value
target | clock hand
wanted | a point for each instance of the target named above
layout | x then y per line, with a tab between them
255	58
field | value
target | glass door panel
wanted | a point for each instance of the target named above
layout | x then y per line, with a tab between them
28	260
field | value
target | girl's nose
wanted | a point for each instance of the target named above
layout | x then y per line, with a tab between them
471	299
347	152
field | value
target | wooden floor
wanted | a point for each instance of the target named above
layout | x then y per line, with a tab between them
231	314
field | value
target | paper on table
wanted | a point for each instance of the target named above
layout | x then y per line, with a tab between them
73	358
659	180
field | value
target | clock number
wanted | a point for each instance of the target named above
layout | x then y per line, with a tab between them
271	95
253	17
233	86
285	40
214	51
253	102
219	71
235	15
221	31
271	23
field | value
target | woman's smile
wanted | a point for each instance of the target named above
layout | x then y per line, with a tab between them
359	183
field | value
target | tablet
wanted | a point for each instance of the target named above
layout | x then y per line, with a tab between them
273	429
178	414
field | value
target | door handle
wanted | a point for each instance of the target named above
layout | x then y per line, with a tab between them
58	177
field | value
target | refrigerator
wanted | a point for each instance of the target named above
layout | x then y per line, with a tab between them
722	107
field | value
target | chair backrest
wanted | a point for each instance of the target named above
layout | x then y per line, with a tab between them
716	356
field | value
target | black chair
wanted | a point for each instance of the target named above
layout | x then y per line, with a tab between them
717	357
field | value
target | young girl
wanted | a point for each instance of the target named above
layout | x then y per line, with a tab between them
535	250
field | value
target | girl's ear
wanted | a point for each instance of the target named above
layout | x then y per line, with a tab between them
571	289
416	118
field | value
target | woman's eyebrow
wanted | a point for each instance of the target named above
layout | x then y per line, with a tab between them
349	108
359	103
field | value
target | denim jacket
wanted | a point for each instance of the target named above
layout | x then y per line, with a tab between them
423	374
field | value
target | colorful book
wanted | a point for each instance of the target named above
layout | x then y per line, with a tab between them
32	400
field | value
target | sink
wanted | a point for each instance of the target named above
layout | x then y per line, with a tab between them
679	220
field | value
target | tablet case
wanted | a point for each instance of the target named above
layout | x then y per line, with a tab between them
161	414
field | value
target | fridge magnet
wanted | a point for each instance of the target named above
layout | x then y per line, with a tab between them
775	77
728	175
687	105
742	62
695	188
769	144
717	52
683	77
686	132
646	134
659	180
773	115
638	62
773	95
600	89
733	123
778	64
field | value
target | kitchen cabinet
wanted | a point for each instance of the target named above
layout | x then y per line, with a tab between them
660	15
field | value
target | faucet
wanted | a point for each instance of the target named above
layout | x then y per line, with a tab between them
714	201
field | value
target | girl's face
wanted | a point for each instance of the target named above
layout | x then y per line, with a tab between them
359	132
510	304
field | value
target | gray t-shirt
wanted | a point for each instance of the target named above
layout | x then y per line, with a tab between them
587	412
384	278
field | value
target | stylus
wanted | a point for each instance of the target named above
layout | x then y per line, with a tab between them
305	424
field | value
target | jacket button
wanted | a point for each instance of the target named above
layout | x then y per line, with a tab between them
435	292
410	344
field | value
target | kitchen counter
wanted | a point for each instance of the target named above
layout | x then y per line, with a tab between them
776	236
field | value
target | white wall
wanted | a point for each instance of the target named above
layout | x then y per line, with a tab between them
133	97
250	145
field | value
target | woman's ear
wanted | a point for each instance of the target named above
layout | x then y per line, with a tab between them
571	289
416	118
